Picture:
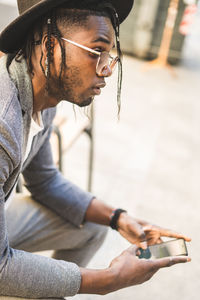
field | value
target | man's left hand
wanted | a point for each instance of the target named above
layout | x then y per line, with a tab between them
143	233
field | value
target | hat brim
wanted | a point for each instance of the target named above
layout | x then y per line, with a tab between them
12	37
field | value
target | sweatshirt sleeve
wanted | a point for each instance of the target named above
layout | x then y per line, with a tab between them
49	187
24	274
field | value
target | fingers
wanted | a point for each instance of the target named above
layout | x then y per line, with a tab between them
148	227
170	261
140	234
166	232
133	250
173	234
143	245
133	232
159	241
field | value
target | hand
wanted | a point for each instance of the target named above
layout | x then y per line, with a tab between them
124	271
132	230
130	270
142	233
155	233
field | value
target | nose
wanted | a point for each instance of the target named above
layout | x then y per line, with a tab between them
105	72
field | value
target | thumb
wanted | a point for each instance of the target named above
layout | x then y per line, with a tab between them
141	237
133	249
170	261
138	231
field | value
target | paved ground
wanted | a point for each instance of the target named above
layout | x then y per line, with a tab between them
149	163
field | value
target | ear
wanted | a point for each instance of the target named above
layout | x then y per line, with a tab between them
46	43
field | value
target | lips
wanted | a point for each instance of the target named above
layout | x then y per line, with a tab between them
97	88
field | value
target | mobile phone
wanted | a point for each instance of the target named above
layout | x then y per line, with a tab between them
170	248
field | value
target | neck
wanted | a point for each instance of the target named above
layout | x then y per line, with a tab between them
41	99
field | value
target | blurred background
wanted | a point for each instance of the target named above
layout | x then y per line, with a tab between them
148	162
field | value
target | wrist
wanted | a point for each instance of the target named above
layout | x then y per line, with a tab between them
122	220
115	217
98	212
99	282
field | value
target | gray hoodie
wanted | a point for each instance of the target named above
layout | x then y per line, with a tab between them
21	273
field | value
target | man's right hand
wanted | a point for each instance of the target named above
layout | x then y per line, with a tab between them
131	270
124	271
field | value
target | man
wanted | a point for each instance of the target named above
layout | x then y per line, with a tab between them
59	49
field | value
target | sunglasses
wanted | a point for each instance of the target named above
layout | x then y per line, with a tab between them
105	64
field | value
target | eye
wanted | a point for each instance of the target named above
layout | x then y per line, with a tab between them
93	55
99	49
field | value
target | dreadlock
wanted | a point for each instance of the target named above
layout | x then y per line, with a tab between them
75	13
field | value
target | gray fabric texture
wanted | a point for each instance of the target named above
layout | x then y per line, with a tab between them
26	274
35	227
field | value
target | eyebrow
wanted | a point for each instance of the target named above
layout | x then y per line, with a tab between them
101	39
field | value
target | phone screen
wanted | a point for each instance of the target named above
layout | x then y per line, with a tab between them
170	248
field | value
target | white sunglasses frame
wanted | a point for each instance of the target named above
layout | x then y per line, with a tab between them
113	59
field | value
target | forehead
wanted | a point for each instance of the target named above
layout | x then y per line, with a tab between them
96	28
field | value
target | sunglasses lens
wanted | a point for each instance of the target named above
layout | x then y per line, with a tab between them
104	61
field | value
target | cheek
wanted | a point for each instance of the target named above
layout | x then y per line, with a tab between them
82	77
80	67
88	70
85	63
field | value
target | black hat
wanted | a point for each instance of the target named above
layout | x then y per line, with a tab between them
12	37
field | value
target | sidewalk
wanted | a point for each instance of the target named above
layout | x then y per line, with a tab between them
148	163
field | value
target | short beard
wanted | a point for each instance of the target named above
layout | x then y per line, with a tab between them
64	88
